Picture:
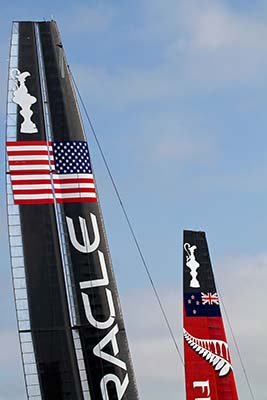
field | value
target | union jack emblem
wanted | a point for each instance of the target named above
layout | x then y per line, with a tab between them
210	298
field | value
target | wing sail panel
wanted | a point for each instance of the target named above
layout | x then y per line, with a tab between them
76	340
208	366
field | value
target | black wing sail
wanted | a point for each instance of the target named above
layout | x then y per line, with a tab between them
71	329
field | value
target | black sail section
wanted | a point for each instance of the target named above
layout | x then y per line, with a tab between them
104	343
201	251
50	322
28	62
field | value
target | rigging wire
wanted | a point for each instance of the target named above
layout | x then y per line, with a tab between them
130	226
236	345
146	267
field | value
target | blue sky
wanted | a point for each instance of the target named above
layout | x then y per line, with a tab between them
177	92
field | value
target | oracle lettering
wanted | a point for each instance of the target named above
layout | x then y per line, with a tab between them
88	311
111	337
86	247
120	387
97	283
204	385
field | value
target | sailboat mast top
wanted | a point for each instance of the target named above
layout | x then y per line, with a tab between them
61	265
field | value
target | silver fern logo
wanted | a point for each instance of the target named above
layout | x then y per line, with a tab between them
216	352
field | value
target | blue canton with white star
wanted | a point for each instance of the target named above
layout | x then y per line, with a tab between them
71	157
195	308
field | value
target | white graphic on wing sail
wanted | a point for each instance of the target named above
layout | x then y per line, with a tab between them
192	264
216	352
25	100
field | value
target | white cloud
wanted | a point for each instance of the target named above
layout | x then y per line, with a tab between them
219	28
205	25
200	47
215	44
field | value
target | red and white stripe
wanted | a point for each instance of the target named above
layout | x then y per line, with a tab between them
74	187
35	181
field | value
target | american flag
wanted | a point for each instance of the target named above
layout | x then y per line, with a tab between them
210	298
43	172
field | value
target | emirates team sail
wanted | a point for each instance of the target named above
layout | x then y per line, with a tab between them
71	330
208	368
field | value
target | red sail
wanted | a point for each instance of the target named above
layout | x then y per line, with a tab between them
208	367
